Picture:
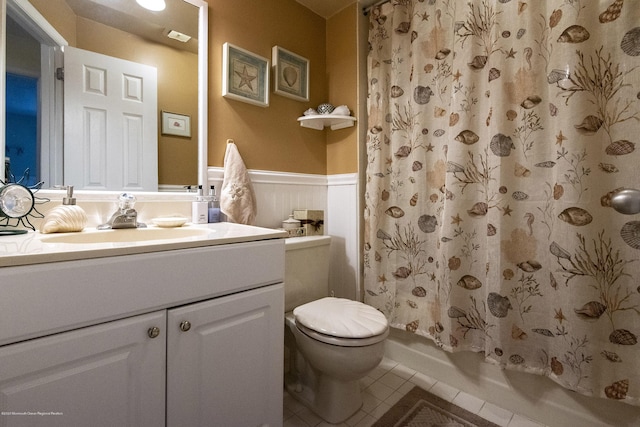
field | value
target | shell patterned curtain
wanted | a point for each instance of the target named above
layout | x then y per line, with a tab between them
498	130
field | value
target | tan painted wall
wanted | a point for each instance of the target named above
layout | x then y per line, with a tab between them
60	16
268	138
342	81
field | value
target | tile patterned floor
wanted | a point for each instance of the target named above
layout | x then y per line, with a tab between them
386	385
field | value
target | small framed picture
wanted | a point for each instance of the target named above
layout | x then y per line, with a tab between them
245	76
291	73
176	124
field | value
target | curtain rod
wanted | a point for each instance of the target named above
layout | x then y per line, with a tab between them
366	10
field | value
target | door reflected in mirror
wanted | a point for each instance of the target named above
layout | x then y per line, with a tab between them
120	29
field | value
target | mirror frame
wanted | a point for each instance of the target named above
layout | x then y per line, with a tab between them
203	64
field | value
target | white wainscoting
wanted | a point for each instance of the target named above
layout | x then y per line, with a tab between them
279	193
343	221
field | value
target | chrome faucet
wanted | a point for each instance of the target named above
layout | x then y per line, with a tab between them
125	217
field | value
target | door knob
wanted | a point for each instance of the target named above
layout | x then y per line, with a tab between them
185	325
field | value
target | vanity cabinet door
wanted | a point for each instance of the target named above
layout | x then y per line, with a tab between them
225	361
112	374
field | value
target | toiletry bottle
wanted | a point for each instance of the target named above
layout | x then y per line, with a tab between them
66	217
214	205
199	213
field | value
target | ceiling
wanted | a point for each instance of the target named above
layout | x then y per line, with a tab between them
328	8
127	16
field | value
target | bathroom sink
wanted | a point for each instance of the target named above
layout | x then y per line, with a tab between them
126	235
36	248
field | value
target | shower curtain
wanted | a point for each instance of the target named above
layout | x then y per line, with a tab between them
498	131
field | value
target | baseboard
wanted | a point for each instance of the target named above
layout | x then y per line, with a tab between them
533	396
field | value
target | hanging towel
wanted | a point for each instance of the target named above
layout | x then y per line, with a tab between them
237	198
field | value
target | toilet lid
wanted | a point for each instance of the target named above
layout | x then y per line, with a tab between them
343	318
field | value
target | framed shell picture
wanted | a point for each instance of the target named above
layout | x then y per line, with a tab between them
245	76
291	74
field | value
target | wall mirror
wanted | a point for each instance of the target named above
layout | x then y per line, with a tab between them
120	29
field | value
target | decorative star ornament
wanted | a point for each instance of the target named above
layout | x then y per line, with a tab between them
245	78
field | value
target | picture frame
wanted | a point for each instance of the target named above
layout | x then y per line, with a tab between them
245	76
291	74
176	124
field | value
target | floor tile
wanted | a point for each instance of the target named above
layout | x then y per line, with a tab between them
369	401
468	402
386	385
495	414
520	421
356	418
403	372
394	398
309	417
423	381
380	410
392	380
367	421
295	422
380	390
366	382
387	364
378	372
444	391
406	388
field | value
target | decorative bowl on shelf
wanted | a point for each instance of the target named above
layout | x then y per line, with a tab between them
341	110
325	108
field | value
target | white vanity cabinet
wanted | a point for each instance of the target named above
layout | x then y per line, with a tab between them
111	374
78	339
223	361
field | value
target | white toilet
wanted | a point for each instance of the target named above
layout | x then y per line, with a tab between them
333	342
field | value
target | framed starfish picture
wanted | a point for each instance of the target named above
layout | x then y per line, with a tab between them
291	74
245	76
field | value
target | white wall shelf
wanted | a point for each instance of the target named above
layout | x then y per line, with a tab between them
320	121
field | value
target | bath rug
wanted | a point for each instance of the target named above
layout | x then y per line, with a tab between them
419	408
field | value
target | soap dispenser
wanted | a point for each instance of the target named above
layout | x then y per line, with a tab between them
199	208
214	205
66	217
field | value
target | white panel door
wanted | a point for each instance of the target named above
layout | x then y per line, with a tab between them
110	123
226	368
111	374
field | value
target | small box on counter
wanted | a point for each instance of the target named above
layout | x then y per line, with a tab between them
311	220
296	232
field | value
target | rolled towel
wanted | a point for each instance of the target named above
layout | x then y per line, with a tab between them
237	198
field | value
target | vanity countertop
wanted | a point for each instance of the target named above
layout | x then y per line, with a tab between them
36	248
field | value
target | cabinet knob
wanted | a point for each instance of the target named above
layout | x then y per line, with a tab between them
185	325
153	332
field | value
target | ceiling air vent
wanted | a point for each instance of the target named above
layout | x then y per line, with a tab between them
178	36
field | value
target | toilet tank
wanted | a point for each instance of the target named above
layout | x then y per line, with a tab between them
306	276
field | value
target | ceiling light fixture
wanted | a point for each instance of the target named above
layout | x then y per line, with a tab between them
154	5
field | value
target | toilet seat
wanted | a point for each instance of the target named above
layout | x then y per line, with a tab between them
342	342
342	322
